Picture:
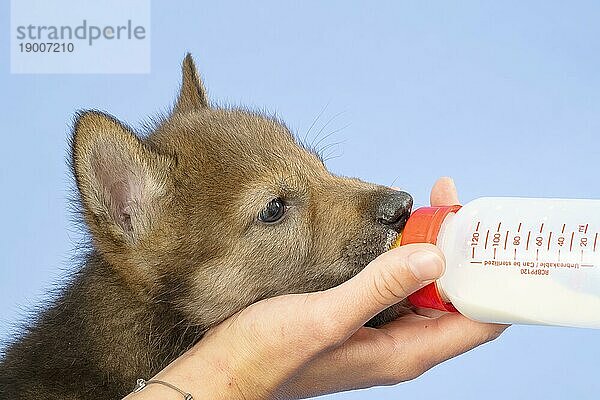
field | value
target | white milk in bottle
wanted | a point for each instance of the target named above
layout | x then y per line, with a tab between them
514	260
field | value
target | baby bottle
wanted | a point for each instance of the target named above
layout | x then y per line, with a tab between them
514	260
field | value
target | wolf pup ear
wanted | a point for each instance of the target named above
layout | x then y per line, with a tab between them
119	178
192	95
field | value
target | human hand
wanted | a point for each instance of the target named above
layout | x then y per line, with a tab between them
304	345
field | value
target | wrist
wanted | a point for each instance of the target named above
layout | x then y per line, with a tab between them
202	374
216	370
155	391
195	372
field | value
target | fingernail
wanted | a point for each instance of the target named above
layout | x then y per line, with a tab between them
425	265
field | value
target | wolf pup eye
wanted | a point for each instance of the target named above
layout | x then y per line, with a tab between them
273	212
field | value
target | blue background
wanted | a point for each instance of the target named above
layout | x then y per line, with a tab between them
503	96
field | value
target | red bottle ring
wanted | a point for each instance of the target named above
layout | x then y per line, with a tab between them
423	226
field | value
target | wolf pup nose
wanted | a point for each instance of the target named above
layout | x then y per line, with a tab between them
207	212
393	211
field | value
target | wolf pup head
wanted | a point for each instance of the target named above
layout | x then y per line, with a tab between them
218	208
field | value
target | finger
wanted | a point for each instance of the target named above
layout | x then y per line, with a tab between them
429	342
387	280
353	365
429	312
456	335
384	356
444	193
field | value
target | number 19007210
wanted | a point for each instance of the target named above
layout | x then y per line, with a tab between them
46	47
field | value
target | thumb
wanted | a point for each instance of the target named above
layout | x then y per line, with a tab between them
387	280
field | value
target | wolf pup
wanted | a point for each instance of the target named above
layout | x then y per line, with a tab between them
211	211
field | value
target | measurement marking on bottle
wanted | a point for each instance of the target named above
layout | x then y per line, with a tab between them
571	245
549	247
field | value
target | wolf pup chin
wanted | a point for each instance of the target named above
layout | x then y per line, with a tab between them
211	211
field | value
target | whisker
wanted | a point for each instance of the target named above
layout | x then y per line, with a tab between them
314	122
330	134
323	128
330	145
331	155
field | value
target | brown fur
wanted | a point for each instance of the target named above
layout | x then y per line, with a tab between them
177	246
